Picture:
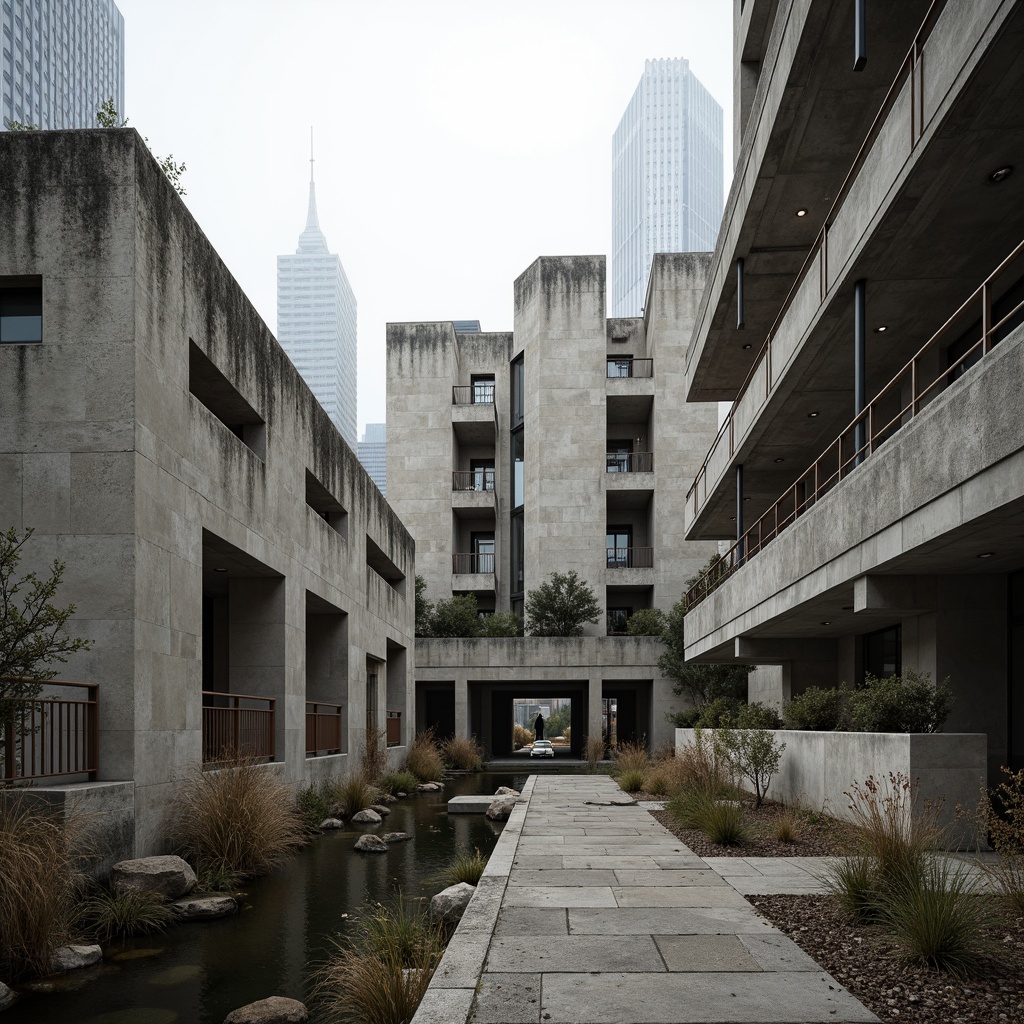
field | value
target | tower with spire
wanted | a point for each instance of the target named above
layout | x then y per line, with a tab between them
316	319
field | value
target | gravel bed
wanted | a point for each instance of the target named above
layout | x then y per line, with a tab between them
818	835
869	964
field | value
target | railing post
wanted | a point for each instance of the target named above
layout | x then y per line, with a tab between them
93	733
9	758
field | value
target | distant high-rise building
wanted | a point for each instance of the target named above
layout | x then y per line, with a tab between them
316	321
373	454
60	61
666	177
466	326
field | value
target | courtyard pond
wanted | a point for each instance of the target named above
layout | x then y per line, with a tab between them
198	973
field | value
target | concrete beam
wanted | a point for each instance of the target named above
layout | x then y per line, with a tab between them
778	650
900	595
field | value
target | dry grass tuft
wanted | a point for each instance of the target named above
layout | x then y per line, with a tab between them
668	777
786	827
632	757
594	752
462	754
356	792
424	759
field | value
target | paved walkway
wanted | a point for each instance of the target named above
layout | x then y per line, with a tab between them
590	912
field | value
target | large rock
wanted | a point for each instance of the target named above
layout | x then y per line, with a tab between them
396	837
331	823
169	877
381	809
371	844
501	808
450	904
506	791
8	996
367	817
429	787
74	958
275	1010
204	908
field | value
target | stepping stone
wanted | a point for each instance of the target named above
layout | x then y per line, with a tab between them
469	804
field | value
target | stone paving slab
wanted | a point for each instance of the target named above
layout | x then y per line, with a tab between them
665	877
560	876
665	921
526	921
574	953
678	896
559	896
705	953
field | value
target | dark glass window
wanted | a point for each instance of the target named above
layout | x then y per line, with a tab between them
882	652
617	619
517	391
518	478
619	540
483	389
21	316
620	366
1016	671
517	556
483	549
619	452
483	474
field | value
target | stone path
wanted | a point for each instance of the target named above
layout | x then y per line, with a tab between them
590	912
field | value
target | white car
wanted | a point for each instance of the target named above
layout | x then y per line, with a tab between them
542	748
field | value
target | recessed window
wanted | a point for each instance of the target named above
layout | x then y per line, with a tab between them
21	312
383	566
483	388
222	398
325	505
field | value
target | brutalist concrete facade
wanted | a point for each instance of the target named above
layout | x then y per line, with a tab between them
219	535
872	235
562	445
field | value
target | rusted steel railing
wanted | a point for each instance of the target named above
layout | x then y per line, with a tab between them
50	735
912	69
473	479
894	406
481	393
627	367
629	462
394	729
237	724
630	558
323	728
472	562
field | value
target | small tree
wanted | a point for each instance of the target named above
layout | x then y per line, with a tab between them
560	606
456	617
755	754
32	633
424	608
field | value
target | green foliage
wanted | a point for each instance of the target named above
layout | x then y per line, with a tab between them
501	624
758	716
900	704
719	819
315	802
557	722
19	126
719	713
32	628
646	622
632	757
456	617
356	792
818	709
466	868
424	758
107	914
398	782
852	881
560	606
108	117
424	608
755	754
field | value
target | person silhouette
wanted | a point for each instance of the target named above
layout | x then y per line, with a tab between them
538	727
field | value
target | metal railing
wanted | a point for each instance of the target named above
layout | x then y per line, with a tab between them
629	462
623	367
630	558
52	734
473	479
323	728
470	562
232	728
912	67
473	394
393	727
893	407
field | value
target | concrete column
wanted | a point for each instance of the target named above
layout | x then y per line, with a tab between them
462	729
595	690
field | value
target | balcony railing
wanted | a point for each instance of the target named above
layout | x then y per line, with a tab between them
629	462
620	367
893	407
473	479
473	394
470	562
323	728
394	729
53	734
630	558
912	69
237	725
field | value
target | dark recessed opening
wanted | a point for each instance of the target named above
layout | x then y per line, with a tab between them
21	310
382	565
220	396
325	505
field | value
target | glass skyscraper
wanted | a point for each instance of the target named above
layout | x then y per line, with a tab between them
316	322
373	454
60	61
666	177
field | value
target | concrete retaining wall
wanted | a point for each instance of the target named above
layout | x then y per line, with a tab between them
819	767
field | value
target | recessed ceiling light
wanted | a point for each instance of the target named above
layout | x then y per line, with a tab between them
986	554
1000	174
812	415
745	347
881	330
220	570
801	213
746	499
732	519
847	607
780	460
827	622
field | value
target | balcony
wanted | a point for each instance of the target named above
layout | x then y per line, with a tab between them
474	417
52	735
481	393
629	462
473	572
473	493
323	728
630	558
237	725
619	367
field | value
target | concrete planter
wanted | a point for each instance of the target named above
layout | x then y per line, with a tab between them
817	767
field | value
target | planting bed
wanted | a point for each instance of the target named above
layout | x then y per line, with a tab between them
868	963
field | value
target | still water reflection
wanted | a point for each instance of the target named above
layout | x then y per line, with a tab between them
198	973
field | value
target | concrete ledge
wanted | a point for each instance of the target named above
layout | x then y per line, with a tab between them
470	804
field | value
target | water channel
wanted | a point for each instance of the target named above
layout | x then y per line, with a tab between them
198	973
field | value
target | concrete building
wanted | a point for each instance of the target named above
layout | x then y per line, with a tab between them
863	316
60	61
243	581
316	321
373	454
666	177
560	445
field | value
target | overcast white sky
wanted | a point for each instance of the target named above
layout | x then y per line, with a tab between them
456	140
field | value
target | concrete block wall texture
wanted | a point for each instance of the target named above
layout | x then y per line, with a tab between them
142	490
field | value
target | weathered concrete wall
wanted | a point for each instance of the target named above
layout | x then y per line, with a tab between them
150	481
819	768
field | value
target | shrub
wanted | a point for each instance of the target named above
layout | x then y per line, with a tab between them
241	819
401	927
462	754
424	608
521	737
755	754
375	755
785	828
718	713
632	780
758	716
424	759
356	792
314	803
704	765
456	617
646	622
594	752
560	606
720	820
686	719
501	624
39	883
398	782
466	868
1000	817
632	757
907	703
817	709
112	914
